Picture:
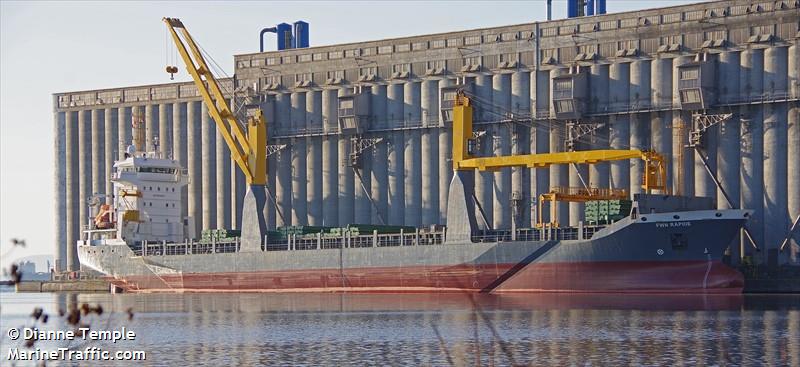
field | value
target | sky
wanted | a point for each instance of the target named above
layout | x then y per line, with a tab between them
51	47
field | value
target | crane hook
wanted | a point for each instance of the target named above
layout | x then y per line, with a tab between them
172	70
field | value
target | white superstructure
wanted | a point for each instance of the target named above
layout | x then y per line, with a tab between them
147	199
146	203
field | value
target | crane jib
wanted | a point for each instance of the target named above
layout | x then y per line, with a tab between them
248	148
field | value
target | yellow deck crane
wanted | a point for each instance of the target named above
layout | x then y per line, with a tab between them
460	213
248	148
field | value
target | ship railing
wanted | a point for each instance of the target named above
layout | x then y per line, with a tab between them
318	241
189	247
580	232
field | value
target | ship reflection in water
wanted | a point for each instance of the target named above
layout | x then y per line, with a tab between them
448	329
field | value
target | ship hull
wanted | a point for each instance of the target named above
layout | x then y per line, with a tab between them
613	277
660	255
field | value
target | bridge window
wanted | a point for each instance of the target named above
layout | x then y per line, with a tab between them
155	170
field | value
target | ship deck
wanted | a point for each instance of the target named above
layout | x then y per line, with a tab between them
320	241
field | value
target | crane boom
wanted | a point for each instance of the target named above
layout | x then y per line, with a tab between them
248	149
654	173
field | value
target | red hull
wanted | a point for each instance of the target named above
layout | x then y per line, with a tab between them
636	277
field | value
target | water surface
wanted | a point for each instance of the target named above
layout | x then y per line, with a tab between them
432	329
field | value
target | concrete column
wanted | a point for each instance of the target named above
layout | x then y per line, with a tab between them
430	152
362	189
299	179
559	174
84	177
239	188
209	173
362	183
793	70
165	129
576	172
540	139
484	179
268	109
98	159
520	107
60	188
776	216
661	121
752	138
793	169
123	131
283	159
395	154
314	157
379	184
412	163
640	122
703	183
193	159
269	209
619	124
728	157
330	158
501	188
222	155
682	158
179	147
346	178
150	127
445	154
110	145
793	144
598	84
72	189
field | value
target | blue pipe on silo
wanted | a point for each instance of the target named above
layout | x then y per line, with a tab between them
601	6
261	36
300	34
572	8
285	39
589	7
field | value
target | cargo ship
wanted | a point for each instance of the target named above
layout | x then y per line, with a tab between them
658	243
666	244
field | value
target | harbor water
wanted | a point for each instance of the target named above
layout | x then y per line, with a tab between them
424	329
